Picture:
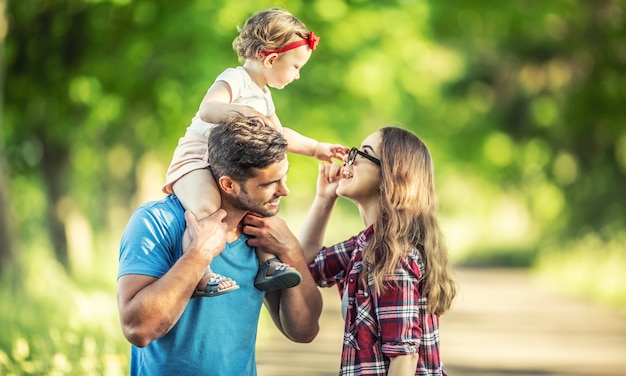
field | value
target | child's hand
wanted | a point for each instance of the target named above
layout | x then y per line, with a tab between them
326	152
248	111
269	122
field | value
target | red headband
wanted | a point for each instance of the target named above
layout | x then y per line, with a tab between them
312	41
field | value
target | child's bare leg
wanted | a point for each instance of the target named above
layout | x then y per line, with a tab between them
274	274
198	192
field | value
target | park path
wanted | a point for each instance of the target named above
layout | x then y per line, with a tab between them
502	323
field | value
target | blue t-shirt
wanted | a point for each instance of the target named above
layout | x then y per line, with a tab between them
214	336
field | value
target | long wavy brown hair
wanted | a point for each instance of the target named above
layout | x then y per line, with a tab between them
407	218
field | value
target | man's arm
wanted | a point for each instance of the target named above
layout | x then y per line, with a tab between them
149	307
295	311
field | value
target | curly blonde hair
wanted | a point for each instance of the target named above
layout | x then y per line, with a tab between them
407	218
267	30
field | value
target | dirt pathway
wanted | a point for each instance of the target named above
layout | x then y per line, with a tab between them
502	323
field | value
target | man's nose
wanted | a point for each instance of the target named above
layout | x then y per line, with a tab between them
283	190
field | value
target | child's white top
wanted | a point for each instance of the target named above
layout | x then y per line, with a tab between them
244	91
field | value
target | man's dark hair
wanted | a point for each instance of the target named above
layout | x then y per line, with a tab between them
241	144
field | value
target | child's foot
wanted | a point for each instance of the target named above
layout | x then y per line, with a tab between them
275	275
213	284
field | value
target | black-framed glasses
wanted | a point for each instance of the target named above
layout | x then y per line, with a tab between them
353	153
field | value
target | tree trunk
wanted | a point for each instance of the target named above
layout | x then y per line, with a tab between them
7	250
7	244
54	169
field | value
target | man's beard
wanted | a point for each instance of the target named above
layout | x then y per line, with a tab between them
245	203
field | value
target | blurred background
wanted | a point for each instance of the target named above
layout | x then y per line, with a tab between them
521	103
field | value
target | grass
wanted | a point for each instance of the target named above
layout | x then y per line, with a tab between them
592	267
499	257
53	326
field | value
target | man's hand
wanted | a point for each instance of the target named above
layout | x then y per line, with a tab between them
207	236
269	234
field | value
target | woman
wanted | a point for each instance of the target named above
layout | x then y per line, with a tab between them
394	277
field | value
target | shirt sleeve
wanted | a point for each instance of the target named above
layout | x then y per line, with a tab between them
329	266
235	80
399	309
151	243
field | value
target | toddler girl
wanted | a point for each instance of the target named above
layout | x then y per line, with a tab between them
273	46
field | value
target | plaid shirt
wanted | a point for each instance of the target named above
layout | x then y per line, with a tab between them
380	327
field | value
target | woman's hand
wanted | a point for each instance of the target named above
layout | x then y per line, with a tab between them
328	178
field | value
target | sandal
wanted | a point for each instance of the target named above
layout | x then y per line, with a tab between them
283	278
212	287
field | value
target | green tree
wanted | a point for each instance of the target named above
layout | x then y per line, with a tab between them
85	80
545	75
526	96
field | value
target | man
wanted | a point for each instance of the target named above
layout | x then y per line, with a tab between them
171	332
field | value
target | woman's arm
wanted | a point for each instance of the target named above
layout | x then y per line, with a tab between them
398	311
404	365
314	227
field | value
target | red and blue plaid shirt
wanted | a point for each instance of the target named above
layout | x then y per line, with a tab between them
380	327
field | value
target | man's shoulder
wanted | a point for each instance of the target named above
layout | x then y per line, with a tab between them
169	201
166	209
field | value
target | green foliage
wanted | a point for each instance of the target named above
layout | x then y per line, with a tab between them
108	84
536	74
